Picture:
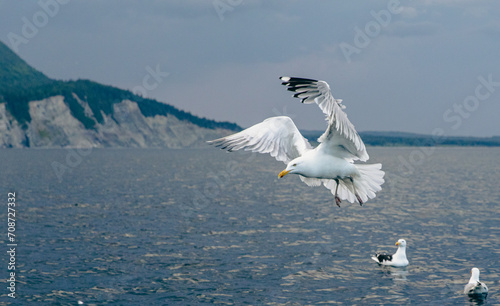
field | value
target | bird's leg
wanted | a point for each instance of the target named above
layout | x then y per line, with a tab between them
337	199
356	193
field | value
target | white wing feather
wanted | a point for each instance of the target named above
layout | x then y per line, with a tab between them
277	136
340	132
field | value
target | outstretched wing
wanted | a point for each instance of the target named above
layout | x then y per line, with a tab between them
340	133
277	136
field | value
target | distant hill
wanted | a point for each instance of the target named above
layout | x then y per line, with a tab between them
21	83
90	103
411	139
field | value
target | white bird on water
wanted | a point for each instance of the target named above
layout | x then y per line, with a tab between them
397	260
331	163
475	287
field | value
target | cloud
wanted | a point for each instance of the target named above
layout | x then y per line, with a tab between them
477	12
412	29
408	12
491	29
444	2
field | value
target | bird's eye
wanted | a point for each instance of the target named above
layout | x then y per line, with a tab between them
294	165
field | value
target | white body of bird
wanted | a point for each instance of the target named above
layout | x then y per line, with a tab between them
474	286
398	259
318	163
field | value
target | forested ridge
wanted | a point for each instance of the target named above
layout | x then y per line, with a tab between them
411	139
20	83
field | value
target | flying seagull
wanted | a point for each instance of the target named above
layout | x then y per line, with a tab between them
397	260
331	163
475	287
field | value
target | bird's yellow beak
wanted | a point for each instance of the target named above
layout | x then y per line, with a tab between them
397	243
283	173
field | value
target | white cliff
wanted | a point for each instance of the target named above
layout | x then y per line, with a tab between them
52	125
11	133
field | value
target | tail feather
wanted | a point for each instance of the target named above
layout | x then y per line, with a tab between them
366	185
369	181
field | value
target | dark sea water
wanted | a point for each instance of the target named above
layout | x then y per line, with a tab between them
189	227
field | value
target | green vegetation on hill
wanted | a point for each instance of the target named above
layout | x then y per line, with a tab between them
16	73
17	100
20	84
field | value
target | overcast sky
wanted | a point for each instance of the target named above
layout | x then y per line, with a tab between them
414	66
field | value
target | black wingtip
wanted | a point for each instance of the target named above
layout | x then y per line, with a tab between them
298	80
294	80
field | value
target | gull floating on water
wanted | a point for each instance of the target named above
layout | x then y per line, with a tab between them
331	163
397	260
475	287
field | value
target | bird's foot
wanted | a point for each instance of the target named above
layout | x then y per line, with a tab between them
359	200
337	201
